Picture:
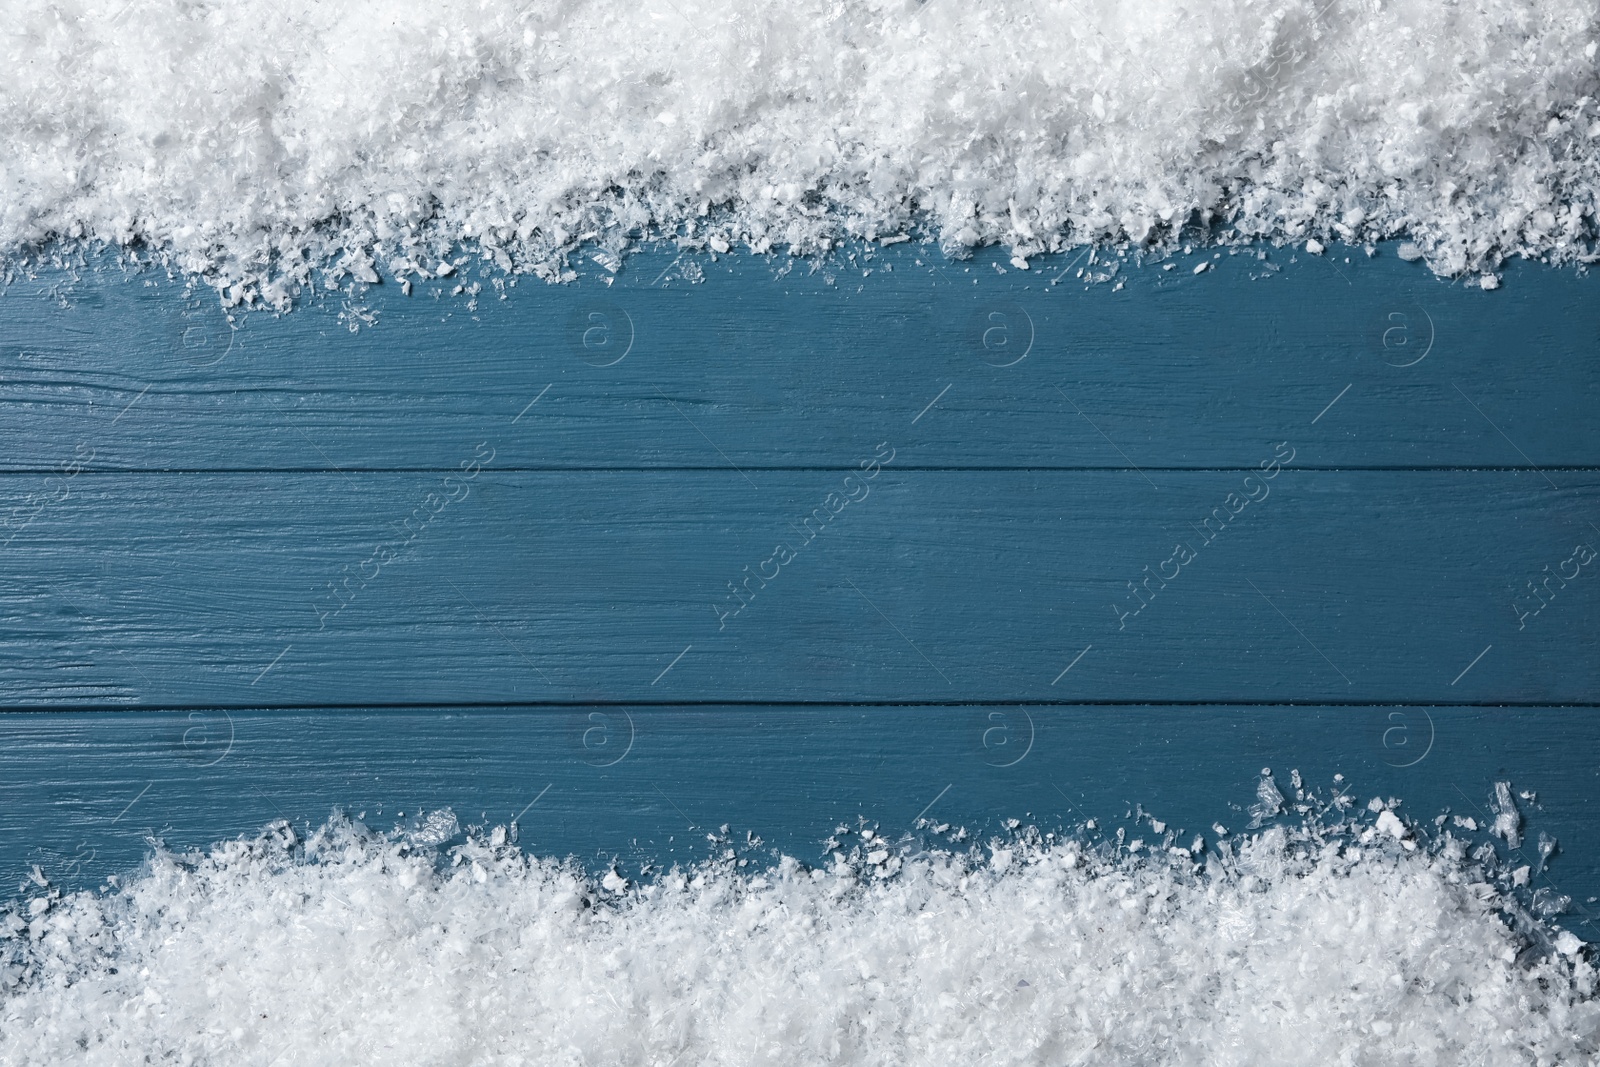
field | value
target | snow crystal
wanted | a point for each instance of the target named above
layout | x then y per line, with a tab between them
258	143
1389	824
1507	820
1548	846
1269	800
1290	945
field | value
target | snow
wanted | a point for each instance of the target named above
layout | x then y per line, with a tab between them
266	145
1389	824
1507	820
349	946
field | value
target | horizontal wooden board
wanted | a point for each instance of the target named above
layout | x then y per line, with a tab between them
242	546
488	586
81	794
768	364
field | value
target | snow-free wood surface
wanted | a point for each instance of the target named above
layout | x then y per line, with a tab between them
198	590
409	565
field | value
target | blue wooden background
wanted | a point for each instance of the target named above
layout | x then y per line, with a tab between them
733	540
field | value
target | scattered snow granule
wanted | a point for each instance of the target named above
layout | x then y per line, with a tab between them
1507	820
1315	247
1269	801
1201	268
1547	848
1388	823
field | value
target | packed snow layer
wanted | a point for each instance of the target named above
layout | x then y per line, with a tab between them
253	141
1287	947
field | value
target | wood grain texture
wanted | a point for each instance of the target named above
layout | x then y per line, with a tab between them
268	570
81	794
758	368
309	589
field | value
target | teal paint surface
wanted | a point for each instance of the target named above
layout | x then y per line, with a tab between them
806	534
295	589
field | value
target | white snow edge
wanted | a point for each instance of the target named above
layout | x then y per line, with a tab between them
269	146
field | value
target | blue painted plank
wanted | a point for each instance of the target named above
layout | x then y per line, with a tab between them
575	566
80	794
765	364
488	586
